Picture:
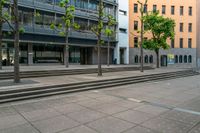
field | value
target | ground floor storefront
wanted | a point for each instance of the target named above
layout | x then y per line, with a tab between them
34	53
174	57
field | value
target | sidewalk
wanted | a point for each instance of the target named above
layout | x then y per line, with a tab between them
55	80
171	106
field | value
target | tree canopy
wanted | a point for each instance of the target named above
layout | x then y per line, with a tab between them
161	29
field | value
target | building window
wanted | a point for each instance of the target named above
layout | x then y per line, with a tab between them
181	27
135	8
121	12
136	42
181	42
136	59
154	8
172	43
189	42
181	10
185	59
172	10
190	11
135	25
163	9
180	59
189	59
176	58
190	27
145	8
151	59
122	30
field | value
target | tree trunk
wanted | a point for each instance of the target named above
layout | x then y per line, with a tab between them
16	43
66	50
99	37
99	56
108	56
1	37
158	59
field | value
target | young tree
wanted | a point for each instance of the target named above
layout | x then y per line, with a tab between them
109	32
16	31
65	29
142	11
12	19
98	30
161	29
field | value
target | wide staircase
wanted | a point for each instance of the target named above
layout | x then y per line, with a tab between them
46	73
38	92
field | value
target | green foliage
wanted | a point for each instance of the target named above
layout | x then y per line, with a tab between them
109	31
67	19
21	30
161	29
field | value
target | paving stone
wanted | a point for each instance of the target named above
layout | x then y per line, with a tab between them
40	114
74	98
55	124
109	99
79	129
53	102
154	110
27	107
128	104
182	117
196	129
134	116
11	121
91	103
26	128
111	109
167	126
6	111
86	115
110	125
68	108
139	129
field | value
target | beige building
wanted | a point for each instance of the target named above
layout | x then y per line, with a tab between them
182	48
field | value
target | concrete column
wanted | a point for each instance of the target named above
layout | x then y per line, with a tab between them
30	54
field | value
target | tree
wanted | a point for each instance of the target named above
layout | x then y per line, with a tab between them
161	29
12	19
64	28
16	31
142	11
109	32
98	30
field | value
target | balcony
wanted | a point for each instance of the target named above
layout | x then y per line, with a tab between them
36	29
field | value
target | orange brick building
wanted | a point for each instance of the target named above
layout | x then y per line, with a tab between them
183	47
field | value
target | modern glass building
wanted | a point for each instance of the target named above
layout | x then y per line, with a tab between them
40	44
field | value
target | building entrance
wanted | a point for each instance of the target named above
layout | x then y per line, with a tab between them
163	60
122	56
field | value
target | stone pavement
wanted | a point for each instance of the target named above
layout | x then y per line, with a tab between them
171	106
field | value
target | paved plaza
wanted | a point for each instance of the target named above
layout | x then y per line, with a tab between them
171	106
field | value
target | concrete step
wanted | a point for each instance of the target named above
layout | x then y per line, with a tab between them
23	94
30	74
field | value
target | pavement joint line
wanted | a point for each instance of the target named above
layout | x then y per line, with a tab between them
135	100
187	111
